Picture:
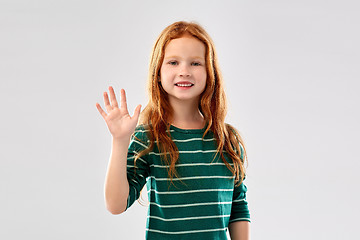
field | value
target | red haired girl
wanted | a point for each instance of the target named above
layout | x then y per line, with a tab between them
192	162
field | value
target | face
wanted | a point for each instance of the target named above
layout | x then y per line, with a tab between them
183	71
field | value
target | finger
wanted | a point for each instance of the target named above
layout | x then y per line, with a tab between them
137	112
107	103
123	103
114	102
101	111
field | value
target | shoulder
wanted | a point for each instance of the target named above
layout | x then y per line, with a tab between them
232	130
139	139
230	127
236	133
141	133
142	128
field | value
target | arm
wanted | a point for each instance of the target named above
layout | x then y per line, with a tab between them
116	183
121	126
239	225
239	230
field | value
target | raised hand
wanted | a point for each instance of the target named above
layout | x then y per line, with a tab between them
120	124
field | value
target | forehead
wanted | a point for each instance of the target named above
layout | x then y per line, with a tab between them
185	46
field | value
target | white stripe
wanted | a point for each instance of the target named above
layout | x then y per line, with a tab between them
239	219
134	194
197	151
187	218
189	165
184	140
193	191
142	160
133	157
193	139
137	131
190	205
185	232
190	178
140	143
239	200
149	130
131	166
127	204
190	139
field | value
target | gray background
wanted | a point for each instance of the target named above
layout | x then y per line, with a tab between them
291	72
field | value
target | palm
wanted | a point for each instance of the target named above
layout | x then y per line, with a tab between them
118	120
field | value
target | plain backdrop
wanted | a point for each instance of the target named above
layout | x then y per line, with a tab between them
291	71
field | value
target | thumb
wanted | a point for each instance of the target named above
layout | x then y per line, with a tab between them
137	112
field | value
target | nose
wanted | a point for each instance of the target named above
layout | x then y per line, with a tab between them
184	71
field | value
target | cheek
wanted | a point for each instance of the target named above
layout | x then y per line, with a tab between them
204	79
203	75
164	72
161	71
165	77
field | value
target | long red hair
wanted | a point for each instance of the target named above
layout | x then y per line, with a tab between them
212	105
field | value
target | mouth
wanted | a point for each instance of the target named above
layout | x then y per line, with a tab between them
184	85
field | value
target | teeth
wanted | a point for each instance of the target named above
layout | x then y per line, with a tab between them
184	85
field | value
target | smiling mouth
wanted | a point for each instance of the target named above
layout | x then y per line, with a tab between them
184	85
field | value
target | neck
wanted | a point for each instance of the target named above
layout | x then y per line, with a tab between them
187	115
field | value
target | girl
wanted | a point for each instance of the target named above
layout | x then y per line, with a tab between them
190	159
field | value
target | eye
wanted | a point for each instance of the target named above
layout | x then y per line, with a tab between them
172	63
196	64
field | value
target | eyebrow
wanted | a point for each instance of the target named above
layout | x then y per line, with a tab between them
195	57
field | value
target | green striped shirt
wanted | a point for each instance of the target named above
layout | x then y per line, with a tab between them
199	204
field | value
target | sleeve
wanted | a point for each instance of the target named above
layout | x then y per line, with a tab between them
239	209
139	171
